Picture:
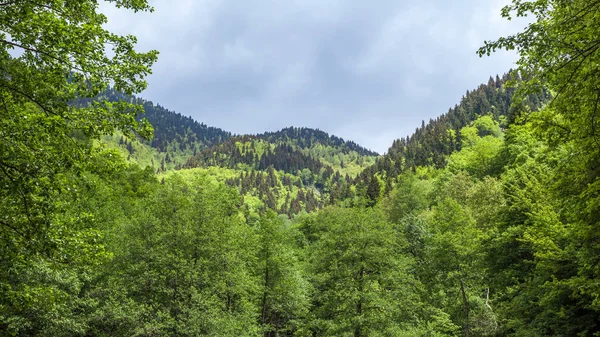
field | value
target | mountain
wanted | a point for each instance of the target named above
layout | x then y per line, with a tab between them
432	143
303	148
289	170
309	138
176	137
296	169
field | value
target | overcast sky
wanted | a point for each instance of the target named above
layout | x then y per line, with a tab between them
367	71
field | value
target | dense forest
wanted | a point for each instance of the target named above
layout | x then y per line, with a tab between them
484	222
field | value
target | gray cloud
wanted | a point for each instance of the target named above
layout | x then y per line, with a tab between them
368	71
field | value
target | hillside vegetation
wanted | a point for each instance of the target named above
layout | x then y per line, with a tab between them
484	222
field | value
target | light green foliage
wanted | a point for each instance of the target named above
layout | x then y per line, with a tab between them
350	163
136	151
409	195
447	218
359	275
456	257
142	155
52	52
481	145
285	290
487	126
533	253
184	264
211	173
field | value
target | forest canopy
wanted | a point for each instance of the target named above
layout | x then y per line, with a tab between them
484	222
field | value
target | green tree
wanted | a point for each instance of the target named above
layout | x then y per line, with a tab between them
285	291
183	266
51	53
455	258
410	195
481	144
533	255
359	275
373	190
555	220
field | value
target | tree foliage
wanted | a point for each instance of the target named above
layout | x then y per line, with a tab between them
483	223
52	52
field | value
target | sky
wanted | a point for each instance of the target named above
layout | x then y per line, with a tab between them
367	71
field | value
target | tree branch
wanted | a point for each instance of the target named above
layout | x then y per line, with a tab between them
568	82
46	110
6	224
594	118
37	51
583	11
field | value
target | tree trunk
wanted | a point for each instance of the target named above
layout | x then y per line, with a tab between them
466	304
359	309
264	299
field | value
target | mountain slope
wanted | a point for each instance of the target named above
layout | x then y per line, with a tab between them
309	138
313	149
432	143
176	137
170	127
289	165
288	170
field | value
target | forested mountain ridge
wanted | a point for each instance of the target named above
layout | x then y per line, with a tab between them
175	138
171	129
324	167
433	142
288	171
307	138
180	141
254	153
289	149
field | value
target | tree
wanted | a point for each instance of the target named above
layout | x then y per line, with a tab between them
559	51
183	266
373	190
51	53
284	301
358	274
481	143
408	196
455	258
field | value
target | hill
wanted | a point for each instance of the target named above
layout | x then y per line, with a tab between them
433	142
297	169
289	170
176	137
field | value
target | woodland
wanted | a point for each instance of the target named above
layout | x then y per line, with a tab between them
119	217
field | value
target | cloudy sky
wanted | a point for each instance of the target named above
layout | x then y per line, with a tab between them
367	71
